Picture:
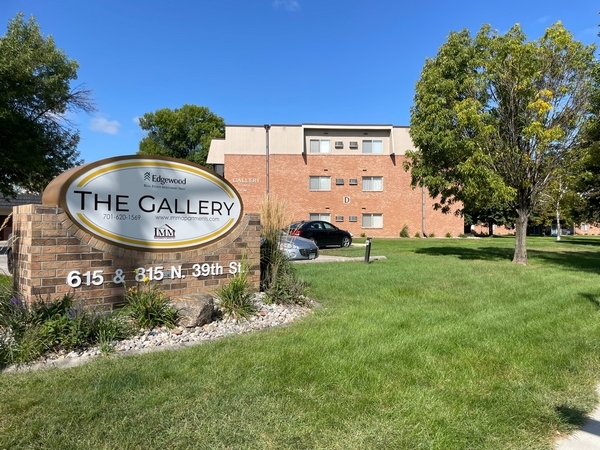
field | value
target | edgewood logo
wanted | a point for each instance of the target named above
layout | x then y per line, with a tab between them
163	180
176	205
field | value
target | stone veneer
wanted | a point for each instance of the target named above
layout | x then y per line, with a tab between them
48	246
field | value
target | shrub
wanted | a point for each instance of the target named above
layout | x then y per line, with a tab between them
431	235
404	232
417	234
59	324
363	234
149	307
235	300
448	235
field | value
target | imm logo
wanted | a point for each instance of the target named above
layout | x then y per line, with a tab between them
164	232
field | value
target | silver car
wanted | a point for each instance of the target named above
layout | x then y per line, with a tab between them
297	248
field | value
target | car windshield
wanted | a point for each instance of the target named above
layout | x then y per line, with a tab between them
293	226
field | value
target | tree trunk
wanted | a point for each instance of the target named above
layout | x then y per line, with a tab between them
558	220
520	256
490	228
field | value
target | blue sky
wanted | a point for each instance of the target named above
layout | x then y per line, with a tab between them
254	62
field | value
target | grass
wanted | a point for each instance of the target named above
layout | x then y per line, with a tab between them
443	345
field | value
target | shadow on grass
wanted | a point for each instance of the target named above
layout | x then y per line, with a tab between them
592	298
571	416
576	260
481	253
581	241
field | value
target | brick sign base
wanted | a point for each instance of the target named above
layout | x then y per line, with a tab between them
52	255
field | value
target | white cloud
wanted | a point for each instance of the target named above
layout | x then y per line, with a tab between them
103	125
136	120
290	5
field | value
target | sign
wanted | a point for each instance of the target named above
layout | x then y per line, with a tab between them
151	203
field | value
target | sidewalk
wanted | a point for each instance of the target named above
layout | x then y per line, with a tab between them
587	437
327	258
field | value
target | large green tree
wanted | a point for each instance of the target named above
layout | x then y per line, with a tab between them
588	182
37	142
183	133
497	117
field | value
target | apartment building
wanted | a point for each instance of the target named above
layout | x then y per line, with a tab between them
349	175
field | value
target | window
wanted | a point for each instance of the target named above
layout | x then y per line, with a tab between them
372	184
372	147
372	220
585	227
353	181
339	218
320	216
319	146
352	219
339	144
220	169
353	144
320	183
339	181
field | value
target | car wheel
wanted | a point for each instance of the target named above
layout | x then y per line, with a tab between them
9	261
346	241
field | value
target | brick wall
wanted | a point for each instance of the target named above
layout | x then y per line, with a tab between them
289	180
49	246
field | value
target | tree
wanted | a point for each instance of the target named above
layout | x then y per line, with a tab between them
37	142
496	117
488	213
588	183
181	133
560	202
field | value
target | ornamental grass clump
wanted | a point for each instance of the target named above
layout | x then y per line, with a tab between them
149	307
404	232
278	279
235	299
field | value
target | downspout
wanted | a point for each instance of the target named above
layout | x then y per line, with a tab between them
267	128
423	232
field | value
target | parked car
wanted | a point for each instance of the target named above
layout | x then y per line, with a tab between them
563	232
295	247
323	234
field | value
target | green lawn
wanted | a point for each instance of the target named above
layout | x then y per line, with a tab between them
444	345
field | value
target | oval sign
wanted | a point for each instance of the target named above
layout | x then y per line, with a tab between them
151	203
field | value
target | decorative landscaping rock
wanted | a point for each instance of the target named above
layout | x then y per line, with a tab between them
195	310
266	316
